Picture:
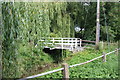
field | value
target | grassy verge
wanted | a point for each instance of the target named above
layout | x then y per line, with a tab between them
95	69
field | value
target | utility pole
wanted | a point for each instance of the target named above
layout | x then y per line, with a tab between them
98	25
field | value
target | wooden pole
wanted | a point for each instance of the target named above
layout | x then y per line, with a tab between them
116	51
98	25
104	57
65	71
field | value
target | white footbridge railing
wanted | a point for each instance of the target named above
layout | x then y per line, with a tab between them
63	43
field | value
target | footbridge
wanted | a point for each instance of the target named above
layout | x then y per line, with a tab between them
72	44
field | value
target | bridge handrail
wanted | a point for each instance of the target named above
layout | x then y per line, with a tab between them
62	43
63	40
58	38
88	41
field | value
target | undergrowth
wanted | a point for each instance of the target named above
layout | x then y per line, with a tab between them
95	69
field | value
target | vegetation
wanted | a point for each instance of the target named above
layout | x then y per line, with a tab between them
24	24
95	69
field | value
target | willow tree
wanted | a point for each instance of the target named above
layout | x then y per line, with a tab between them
24	25
61	22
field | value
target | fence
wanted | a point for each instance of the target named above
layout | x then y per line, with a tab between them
66	67
63	43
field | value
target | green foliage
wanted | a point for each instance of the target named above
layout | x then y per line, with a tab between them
26	23
53	35
95	69
66	53
85	17
110	21
60	20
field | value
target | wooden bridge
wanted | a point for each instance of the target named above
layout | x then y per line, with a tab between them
72	44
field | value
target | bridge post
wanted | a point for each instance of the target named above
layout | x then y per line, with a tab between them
53	40
72	44
76	43
68	41
80	42
62	43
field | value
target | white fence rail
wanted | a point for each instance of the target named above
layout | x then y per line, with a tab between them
63	43
49	72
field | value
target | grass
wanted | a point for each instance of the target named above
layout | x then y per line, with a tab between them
95	69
